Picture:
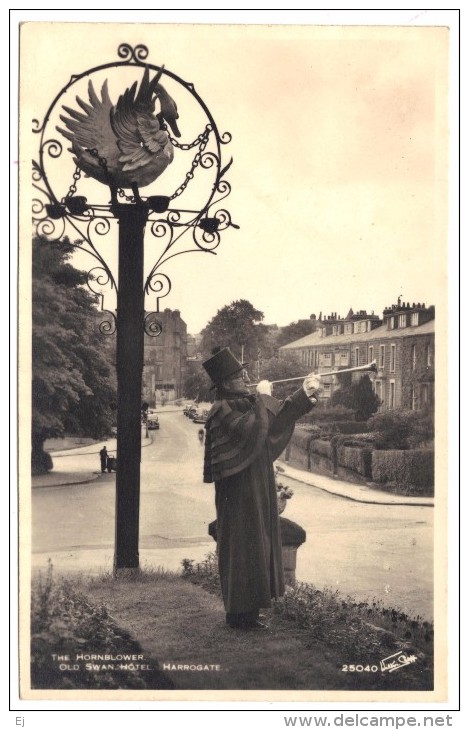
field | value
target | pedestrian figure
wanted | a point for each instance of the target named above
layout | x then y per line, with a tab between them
245	432
201	435
103	458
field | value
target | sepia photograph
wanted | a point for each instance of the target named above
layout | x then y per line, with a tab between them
233	466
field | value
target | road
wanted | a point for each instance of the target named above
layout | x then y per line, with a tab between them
365	550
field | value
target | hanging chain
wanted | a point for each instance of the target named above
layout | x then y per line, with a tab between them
73	187
103	163
188	145
202	141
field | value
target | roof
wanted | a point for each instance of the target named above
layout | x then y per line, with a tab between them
379	333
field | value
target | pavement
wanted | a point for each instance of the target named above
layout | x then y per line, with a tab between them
367	493
65	477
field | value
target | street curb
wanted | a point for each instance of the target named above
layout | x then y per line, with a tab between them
89	480
397	501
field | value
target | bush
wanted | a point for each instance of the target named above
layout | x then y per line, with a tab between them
351	427
411	471
402	429
64	621
327	415
359	396
41	462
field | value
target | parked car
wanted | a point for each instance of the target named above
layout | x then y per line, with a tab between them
200	415
153	423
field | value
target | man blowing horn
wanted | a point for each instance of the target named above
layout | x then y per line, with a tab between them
245	433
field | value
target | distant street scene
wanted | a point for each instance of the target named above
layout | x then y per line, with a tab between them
369	551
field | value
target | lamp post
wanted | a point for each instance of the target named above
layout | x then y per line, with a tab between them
122	145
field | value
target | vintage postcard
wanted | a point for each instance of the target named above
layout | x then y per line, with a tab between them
184	535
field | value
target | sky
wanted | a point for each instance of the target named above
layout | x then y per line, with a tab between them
339	146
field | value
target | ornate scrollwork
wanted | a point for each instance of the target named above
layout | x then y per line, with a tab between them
53	147
56	212
159	284
108	326
163	230
99	276
53	229
224	219
134	55
152	327
206	240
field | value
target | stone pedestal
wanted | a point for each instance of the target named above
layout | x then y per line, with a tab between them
292	537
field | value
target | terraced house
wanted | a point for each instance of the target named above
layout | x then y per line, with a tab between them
402	343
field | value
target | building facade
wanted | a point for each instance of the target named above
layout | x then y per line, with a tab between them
165	359
402	343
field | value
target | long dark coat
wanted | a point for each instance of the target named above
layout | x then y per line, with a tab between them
240	449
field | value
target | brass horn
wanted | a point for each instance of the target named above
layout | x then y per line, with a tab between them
371	366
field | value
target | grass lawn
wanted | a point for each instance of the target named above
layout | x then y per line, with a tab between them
173	629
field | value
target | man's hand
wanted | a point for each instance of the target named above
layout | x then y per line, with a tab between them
264	387
312	386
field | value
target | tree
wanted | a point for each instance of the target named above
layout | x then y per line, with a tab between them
238	326
197	384
278	368
295	331
359	396
73	386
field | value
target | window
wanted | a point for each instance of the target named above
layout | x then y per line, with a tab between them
381	356
414	319
357	356
402	320
429	356
413	356
337	358
392	394
348	329
379	393
424	395
334	329
393	358
370	353
326	390
413	398
391	322
344	357
316	361
327	358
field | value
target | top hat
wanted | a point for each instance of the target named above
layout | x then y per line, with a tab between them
222	365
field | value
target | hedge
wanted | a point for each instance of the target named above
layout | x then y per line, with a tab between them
350	427
323	415
356	459
323	448
412	469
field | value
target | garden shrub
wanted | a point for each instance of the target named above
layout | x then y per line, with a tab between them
412	470
322	415
351	427
402	429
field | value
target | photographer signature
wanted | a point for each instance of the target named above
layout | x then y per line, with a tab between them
397	661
